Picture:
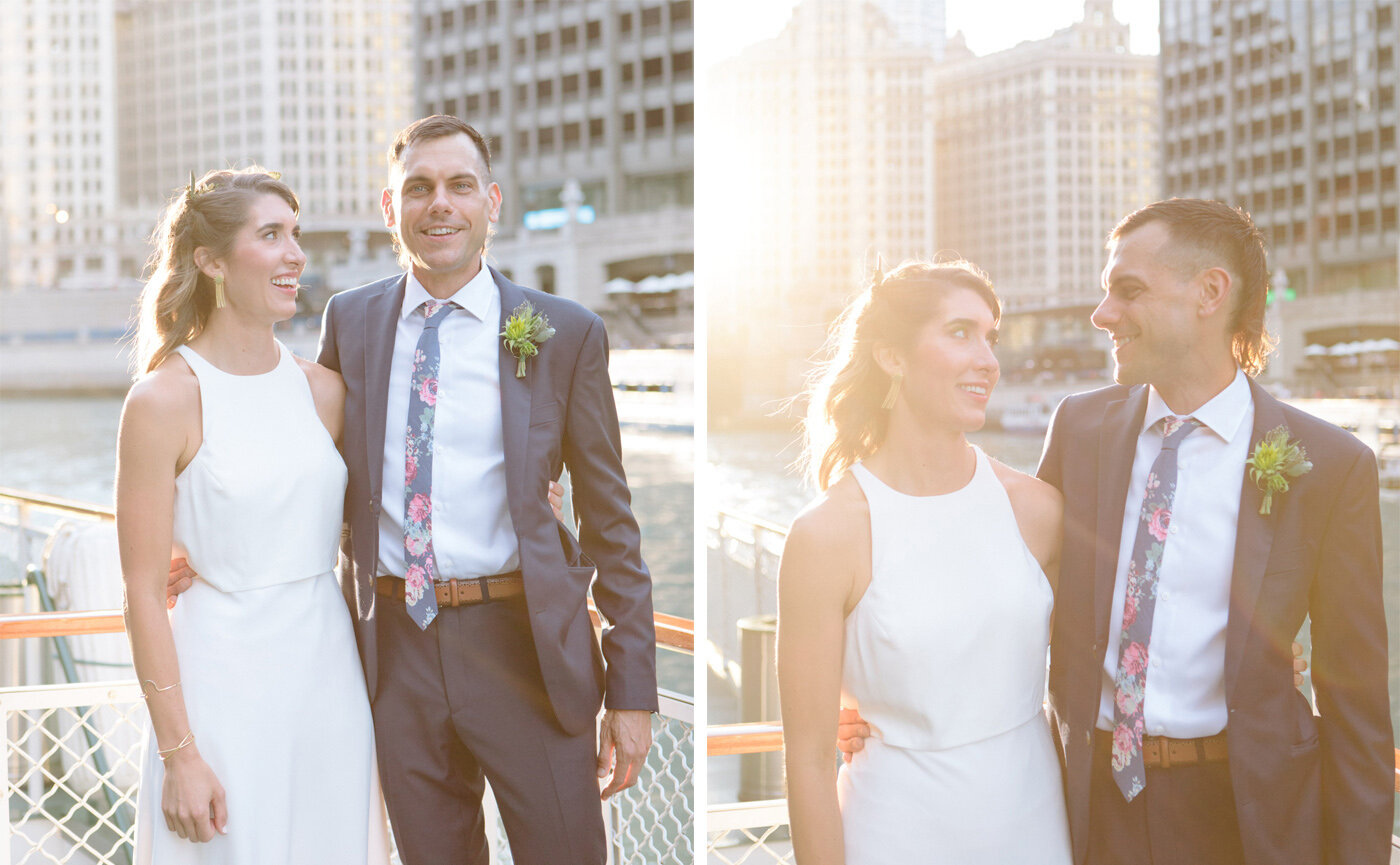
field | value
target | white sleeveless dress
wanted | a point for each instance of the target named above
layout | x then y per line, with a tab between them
945	656
270	675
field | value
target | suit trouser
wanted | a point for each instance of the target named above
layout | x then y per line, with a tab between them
1185	814
462	700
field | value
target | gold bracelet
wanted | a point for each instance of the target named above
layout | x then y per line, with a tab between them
155	687
167	752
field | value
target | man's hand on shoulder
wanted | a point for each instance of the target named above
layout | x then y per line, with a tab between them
623	742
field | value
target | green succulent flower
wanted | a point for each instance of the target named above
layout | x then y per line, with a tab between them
524	331
1275	460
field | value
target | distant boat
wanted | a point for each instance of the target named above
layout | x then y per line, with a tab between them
654	389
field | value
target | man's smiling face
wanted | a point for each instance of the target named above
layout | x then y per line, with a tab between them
1149	307
441	204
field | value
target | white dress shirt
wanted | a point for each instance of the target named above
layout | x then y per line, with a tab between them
1185	688
472	531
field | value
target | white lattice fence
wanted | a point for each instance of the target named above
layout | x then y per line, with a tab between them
753	833
651	823
73	755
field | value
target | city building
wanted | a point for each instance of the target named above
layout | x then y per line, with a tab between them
1289	111
922	23
1042	148
589	111
312	89
60	219
818	165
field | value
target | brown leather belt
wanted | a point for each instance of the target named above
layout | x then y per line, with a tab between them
459	593
1159	752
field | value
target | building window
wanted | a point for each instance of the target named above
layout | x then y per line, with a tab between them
544	91
546	139
595	129
568	38
595	80
624	23
682	65
685	116
593	32
629	125
543	42
573	134
570	85
522	142
628	73
655	121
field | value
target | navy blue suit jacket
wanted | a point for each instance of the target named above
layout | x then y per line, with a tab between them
561	413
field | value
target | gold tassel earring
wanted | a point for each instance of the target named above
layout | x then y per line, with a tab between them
895	381
220	298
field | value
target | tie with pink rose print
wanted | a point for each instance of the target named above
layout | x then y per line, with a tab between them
1139	603
420	568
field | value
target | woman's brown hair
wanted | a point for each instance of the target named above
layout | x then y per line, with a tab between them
845	422
178	297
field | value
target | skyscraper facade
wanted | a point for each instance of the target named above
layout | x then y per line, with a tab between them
59	226
589	110
1288	109
819	165
1042	148
311	88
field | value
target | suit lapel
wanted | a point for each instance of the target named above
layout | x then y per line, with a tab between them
381	325
1254	536
1122	423
515	395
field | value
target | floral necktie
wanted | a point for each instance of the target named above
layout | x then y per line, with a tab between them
1139	603
420	568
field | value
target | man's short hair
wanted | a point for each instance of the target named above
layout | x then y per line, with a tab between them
1213	234
437	126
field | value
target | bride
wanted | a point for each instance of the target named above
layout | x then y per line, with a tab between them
917	589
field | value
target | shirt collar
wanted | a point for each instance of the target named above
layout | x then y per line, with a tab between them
474	297
1223	414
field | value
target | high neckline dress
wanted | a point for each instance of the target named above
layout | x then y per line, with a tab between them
270	674
945	657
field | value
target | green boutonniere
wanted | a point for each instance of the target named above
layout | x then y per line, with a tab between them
525	330
1276	458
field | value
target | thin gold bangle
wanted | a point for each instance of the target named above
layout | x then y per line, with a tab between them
156	688
167	752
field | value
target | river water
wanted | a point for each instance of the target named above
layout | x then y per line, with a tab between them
66	446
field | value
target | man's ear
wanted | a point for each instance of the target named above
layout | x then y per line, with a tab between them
386	203
1215	287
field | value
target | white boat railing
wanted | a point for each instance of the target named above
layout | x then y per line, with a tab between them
73	751
73	754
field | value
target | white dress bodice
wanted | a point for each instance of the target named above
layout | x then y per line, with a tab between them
262	442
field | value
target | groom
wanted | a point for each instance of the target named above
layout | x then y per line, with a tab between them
1206	753
470	597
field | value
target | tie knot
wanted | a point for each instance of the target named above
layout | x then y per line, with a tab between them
436	311
1174	429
